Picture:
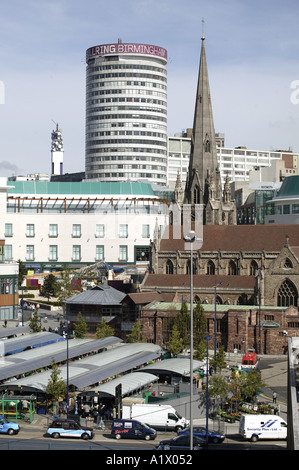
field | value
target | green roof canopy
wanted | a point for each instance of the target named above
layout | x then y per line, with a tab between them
83	187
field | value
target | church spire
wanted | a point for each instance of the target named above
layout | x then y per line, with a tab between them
203	157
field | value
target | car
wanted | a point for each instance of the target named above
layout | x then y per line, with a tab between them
7	427
181	442
69	428
200	431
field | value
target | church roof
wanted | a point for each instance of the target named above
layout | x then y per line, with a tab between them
239	238
199	281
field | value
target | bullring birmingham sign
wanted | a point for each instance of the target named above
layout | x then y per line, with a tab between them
126	48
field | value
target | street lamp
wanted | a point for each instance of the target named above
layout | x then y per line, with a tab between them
191	238
215	317
259	288
67	368
207	338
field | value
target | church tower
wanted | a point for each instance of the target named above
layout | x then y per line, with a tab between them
203	184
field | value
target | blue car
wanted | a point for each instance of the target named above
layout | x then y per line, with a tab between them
200	431
7	427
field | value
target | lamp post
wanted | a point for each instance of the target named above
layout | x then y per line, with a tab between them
259	288
207	338
67	368
215	316
190	238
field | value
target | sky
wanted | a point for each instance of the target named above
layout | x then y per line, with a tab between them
252	55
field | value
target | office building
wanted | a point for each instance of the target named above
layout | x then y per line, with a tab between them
126	113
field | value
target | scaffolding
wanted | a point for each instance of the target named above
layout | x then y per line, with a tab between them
16	408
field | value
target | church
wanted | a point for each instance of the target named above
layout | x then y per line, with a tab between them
249	272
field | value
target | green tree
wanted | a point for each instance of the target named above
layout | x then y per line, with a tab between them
252	384
199	323
80	326
104	330
50	287
201	351
22	273
136	336
56	386
34	323
67	285
175	344
218	362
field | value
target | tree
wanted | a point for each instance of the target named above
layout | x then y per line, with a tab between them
136	336
34	323
22	273
182	321
50	287
80	327
104	330
175	344
218	362
201	351
56	386
67	286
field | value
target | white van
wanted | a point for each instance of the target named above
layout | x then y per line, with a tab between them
255	427
160	417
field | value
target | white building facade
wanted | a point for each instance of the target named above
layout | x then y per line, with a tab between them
236	162
126	113
49	225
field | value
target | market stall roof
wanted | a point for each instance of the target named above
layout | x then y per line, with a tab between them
92	369
9	332
129	382
29	361
174	366
33	340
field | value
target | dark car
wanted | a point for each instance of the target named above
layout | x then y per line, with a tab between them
69	428
200	431
181	442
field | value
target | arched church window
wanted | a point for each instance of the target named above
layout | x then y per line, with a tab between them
287	294
169	267
219	301
232	268
253	268
210	267
288	264
207	146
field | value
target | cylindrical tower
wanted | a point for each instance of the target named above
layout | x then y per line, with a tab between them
126	113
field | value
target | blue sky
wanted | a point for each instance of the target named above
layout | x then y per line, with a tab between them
252	53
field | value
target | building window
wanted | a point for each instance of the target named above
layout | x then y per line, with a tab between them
169	267
145	231
100	230
30	230
253	268
123	253
29	252
123	231
8	230
295	208
8	252
232	268
53	230
287	294
53	253
76	253
76	233
210	268
142	253
100	253
288	264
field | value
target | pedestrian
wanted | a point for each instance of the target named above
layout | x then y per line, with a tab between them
274	397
